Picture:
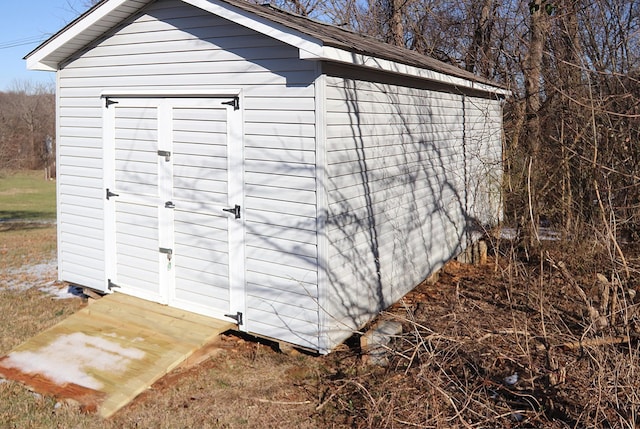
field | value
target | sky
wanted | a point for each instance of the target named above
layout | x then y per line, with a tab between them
24	24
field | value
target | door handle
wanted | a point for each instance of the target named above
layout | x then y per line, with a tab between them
234	210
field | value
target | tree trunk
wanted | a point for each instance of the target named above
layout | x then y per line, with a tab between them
477	58
397	29
533	102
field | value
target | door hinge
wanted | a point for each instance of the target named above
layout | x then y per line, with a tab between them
234	210
237	317
108	102
169	205
111	285
235	102
111	194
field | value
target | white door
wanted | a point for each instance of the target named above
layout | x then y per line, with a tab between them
174	230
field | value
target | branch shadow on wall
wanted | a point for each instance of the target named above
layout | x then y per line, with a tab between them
398	209
411	212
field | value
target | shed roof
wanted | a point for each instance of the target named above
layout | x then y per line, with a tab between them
315	40
338	37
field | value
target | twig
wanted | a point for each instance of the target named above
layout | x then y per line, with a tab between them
606	290
594	314
534	228
500	332
597	342
568	277
404	422
268	401
573	345
610	233
326	401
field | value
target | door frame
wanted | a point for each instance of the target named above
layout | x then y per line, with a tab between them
235	149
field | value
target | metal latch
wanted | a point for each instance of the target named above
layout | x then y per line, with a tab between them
166	251
235	211
166	154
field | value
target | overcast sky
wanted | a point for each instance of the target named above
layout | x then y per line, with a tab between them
24	24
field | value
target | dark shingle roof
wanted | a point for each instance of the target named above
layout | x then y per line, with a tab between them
337	37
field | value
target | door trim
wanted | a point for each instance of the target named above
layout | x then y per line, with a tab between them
163	93
164	101
236	230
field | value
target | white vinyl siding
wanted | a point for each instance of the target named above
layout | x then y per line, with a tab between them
483	121
397	200
176	48
136	181
200	185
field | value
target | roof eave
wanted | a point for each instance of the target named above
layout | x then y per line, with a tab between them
44	56
260	24
51	53
41	66
329	53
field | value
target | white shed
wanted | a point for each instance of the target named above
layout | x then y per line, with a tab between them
245	163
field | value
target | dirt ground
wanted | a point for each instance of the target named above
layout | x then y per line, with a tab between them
505	344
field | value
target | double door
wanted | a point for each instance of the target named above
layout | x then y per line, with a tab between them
173	202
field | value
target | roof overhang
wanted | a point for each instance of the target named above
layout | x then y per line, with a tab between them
329	53
107	14
80	32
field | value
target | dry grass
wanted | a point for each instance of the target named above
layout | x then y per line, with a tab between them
248	384
479	326
463	337
27	246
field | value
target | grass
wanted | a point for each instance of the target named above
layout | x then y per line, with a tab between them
462	337
248	385
25	246
26	199
25	195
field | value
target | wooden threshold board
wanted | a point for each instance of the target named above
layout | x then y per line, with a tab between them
106	354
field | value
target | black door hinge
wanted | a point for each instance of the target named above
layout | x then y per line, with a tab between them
237	317
235	102
111	285
108	102
111	194
234	210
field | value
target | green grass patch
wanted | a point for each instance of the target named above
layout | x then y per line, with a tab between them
25	195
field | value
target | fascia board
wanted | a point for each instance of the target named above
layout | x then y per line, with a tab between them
36	60
40	65
262	25
340	55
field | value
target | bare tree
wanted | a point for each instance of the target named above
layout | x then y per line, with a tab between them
479	52
27	119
